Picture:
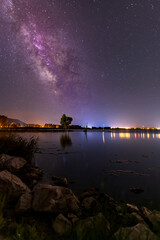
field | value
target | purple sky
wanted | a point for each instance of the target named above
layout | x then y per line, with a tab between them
95	60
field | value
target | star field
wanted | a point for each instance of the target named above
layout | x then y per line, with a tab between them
96	60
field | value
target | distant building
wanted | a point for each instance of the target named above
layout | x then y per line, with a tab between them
49	125
33	125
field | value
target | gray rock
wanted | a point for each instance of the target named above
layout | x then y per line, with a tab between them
12	185
24	203
12	164
137	232
55	199
62	225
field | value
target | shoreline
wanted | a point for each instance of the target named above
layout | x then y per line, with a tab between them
78	130
92	215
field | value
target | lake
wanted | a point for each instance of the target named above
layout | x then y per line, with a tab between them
113	162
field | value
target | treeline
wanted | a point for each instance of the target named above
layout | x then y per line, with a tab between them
4	122
65	121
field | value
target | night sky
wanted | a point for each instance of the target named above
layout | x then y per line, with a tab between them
95	60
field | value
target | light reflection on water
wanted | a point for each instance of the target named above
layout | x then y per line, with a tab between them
127	135
114	162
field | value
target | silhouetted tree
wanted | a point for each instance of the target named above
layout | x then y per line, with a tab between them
65	121
3	121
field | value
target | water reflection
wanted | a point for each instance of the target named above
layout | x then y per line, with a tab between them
111	161
124	135
86	135
103	137
113	135
65	141
128	135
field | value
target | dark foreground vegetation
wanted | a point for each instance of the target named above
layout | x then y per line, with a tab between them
17	146
33	211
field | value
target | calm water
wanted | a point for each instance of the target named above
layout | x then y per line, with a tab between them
112	162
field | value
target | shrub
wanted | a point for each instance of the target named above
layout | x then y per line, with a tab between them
17	146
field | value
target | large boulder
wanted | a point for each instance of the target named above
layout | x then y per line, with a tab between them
137	217
96	227
54	199
137	232
153	217
89	203
12	185
12	164
62	225
24	203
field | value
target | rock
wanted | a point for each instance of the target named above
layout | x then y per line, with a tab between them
54	199
138	217
137	232
118	208
60	181
136	190
132	208
12	164
12	185
96	227
31	179
90	192
34	182
89	203
145	211
32	176
152	217
62	225
24	202
72	217
37	171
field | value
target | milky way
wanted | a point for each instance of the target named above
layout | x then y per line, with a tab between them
49	55
96	60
